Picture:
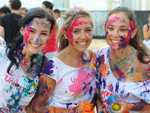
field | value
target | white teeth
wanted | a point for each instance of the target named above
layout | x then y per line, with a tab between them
82	43
115	41
35	45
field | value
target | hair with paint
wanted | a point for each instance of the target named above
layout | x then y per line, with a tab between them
68	18
136	42
30	15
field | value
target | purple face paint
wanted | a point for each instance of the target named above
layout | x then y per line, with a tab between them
125	40
69	33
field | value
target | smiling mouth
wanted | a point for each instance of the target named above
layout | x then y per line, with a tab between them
35	45
116	41
82	43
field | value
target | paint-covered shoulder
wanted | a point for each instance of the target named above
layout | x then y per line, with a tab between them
104	50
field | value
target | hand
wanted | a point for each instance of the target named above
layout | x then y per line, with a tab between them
124	107
85	107
100	107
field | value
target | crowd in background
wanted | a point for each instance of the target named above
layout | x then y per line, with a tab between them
46	65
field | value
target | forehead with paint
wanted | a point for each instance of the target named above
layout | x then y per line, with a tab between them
118	19
79	23
39	26
118	30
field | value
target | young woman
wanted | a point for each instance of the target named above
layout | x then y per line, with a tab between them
146	33
21	61
70	77
124	65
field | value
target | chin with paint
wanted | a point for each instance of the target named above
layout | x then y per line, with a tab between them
123	65
21	61
69	80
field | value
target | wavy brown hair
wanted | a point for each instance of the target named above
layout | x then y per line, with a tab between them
136	41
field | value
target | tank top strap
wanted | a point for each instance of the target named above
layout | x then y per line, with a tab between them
131	73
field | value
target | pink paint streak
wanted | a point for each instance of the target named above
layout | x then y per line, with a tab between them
81	84
26	35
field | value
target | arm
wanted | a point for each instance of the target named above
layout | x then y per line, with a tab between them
1	31
38	103
146	33
138	107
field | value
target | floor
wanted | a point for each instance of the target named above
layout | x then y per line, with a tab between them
98	43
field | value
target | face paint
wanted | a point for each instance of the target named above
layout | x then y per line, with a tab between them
26	35
113	32
37	39
69	33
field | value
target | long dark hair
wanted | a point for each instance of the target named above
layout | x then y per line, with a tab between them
11	48
136	42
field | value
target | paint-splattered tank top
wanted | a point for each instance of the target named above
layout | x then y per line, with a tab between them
16	90
129	91
73	85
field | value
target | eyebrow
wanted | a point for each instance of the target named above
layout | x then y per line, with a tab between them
42	31
81	29
119	26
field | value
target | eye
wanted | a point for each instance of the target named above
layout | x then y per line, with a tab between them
44	33
88	30
31	31
123	29
75	31
110	28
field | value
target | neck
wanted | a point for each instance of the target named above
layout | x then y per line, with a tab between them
15	11
23	52
122	53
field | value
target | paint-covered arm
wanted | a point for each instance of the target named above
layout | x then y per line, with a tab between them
38	104
141	107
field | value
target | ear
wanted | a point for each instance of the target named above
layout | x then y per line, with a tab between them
133	32
64	31
22	31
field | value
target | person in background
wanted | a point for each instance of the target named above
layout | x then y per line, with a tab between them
146	33
69	80
23	11
124	66
57	14
4	10
21	61
9	22
47	5
51	48
10	4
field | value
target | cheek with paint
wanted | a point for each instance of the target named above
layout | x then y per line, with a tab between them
26	35
69	33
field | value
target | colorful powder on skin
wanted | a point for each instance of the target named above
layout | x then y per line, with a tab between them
125	41
26	35
120	74
69	33
37	40
148	69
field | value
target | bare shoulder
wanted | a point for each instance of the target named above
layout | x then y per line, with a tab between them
90	52
145	27
142	71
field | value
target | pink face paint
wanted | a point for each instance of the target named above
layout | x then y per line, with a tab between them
26	35
69	33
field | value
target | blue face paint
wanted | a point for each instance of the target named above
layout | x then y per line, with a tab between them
37	39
